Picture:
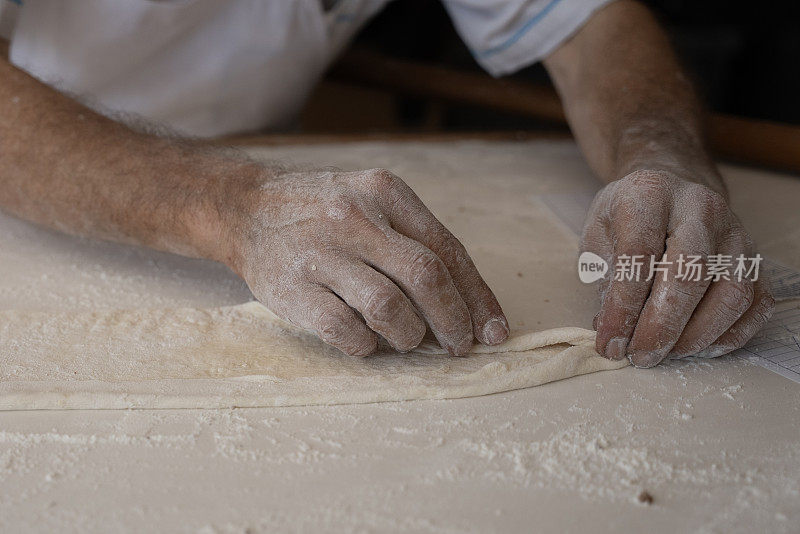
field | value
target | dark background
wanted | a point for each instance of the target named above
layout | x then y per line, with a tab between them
743	56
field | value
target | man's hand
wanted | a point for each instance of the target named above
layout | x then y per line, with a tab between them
652	213
639	123
330	251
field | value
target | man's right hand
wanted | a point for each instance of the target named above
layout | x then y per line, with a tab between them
349	255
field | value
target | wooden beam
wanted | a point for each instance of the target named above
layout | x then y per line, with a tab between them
440	83
763	143
771	144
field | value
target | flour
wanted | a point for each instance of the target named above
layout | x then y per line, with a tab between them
574	459
728	391
28	440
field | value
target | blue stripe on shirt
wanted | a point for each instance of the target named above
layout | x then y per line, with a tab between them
519	33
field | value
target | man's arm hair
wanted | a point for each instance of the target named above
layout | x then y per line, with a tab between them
65	166
627	99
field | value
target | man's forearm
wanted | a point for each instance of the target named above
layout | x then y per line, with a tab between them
627	99
67	167
639	124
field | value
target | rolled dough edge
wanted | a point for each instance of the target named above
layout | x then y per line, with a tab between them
256	391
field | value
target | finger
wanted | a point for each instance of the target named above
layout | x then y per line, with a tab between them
748	325
723	304
410	217
638	225
595	238
384	307
699	216
425	280
315	308
673	298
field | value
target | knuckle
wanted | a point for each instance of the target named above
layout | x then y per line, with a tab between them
342	207
428	272
644	243
627	295
738	297
690	291
713	200
336	328
738	337
668	332
381	179
384	305
710	203
649	180
450	249
766	305
633	296
333	327
739	239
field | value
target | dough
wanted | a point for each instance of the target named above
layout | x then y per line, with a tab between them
246	356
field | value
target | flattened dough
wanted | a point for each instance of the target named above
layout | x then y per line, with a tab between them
245	356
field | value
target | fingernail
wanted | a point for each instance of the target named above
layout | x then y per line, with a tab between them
402	350
615	349
644	358
495	331
714	351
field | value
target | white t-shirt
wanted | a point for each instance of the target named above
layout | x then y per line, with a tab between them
213	67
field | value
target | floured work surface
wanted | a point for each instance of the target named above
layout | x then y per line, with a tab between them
159	357
715	443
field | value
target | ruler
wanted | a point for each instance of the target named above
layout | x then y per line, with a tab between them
777	346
